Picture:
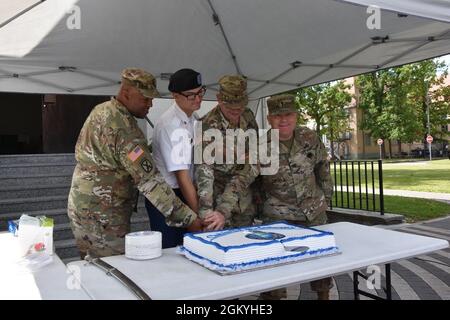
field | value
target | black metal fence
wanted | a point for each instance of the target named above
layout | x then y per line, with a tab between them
358	185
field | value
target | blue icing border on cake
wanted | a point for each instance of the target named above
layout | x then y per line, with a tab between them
234	230
266	243
248	265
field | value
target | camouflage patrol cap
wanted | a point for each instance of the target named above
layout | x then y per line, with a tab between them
233	90
283	103
144	81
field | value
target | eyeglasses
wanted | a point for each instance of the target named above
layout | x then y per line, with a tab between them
191	96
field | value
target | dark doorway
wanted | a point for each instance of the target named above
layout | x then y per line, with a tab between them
35	123
63	117
20	123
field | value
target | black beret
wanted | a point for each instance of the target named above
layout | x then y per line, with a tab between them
184	79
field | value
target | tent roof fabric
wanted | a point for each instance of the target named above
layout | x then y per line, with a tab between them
432	9
278	45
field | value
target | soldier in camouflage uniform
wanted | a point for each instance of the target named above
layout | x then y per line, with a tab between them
224	188
302	188
112	160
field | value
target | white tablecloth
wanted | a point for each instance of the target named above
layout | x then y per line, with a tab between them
51	282
172	276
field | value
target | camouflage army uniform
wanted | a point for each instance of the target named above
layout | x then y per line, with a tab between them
229	183
302	188
112	159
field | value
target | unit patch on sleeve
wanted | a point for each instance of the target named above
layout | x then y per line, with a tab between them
146	165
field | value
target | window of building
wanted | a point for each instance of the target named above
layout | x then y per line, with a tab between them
367	139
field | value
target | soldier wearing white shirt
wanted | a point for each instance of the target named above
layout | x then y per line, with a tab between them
173	137
173	149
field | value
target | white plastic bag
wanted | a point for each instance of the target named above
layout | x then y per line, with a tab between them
35	235
35	261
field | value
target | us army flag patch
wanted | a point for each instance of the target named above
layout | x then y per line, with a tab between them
135	154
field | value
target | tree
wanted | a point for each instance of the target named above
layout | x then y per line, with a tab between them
395	102
372	99
427	90
325	104
400	113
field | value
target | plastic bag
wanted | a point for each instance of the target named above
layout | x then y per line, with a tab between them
35	261
35	235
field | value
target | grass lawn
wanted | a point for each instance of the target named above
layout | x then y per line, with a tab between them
424	176
413	209
429	176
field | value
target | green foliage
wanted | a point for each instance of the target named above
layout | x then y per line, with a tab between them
395	101
325	104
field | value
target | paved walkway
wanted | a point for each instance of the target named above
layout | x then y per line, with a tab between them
418	194
404	193
425	277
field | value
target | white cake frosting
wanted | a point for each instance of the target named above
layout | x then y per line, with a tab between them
143	245
257	246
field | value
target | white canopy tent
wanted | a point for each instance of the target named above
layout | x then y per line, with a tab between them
278	45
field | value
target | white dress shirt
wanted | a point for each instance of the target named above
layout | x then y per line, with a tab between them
173	141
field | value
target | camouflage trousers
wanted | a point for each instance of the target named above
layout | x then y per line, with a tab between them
243	214
242	218
98	234
321	285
